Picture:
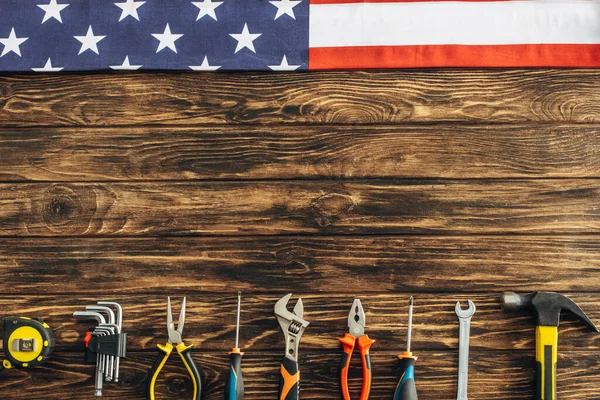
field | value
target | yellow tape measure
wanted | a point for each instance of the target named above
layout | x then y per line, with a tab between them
28	342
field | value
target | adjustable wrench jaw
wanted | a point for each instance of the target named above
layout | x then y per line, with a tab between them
292	325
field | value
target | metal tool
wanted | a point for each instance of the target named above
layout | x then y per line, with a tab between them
356	336
234	388
87	315
110	316
112	330
105	343
547	307
406	389
185	352
292	325
464	319
100	332
118	310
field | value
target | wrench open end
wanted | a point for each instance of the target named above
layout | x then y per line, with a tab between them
467	313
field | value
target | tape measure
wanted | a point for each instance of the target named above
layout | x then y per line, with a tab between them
28	342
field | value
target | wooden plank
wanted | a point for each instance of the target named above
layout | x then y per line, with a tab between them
308	207
318	264
331	97
257	152
492	375
210	320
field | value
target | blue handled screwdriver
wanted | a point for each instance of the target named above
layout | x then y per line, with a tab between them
406	389
234	389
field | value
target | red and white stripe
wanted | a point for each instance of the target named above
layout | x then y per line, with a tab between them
409	34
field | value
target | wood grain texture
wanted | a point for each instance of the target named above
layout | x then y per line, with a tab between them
447	185
210	320
361	265
492	375
258	152
307	207
325	97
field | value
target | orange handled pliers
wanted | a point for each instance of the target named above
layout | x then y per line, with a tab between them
356	326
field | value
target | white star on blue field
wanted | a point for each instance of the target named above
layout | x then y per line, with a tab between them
201	35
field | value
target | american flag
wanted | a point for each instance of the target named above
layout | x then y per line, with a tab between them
288	35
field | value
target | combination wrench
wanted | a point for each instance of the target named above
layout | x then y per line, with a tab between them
464	319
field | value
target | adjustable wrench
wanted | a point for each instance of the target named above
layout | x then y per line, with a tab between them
293	325
464	319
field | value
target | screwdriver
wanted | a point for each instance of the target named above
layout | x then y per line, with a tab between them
234	389
406	389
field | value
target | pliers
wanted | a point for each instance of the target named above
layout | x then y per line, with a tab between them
185	352
356	326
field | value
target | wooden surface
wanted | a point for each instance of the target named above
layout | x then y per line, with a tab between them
447	185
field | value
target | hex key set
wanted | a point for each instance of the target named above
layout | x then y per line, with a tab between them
29	342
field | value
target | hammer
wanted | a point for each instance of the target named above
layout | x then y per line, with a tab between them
546	306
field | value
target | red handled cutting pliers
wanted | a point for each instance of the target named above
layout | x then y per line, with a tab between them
356	337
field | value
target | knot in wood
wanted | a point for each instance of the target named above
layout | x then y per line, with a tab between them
62	206
5	90
66	209
333	204
178	385
296	268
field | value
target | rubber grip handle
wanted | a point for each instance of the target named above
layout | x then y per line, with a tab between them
162	357
364	344
185	352
234	388
406	389
289	380
348	342
546	344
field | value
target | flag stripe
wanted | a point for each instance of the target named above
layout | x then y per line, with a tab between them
536	55
460	23
390	1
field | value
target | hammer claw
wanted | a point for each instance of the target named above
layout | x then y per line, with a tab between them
547	307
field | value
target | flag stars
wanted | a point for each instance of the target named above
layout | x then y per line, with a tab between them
245	39
167	39
48	68
205	66
285	7
126	66
207	7
52	10
284	66
89	41
12	43
129	8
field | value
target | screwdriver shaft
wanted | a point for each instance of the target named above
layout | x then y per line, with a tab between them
237	326
410	314
406	389
234	388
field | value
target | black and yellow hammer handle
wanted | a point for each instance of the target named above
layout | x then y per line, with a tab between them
546	339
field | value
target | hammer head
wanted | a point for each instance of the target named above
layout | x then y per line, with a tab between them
546	306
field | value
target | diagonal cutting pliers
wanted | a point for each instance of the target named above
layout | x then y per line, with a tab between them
185	352
356	337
